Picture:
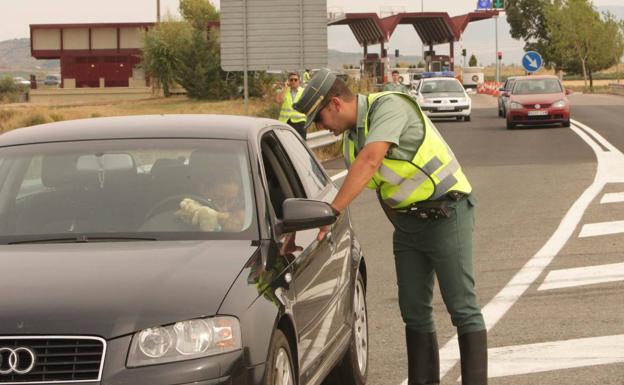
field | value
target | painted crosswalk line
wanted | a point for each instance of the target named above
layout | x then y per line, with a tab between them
582	276
613	198
556	355
602	228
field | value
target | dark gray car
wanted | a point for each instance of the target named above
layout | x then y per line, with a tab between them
174	250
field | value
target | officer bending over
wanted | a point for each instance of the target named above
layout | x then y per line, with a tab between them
390	146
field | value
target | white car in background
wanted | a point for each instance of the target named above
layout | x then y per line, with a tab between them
21	81
444	97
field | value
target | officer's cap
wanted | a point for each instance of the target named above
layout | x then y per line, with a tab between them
314	93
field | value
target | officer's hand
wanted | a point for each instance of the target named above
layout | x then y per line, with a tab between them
323	232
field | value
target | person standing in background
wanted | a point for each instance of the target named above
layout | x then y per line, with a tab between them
396	85
290	94
306	77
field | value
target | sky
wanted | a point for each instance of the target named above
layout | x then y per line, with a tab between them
18	14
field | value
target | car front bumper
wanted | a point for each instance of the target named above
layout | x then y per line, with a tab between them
554	115
434	111
228	368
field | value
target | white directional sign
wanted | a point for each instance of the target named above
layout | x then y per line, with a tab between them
532	61
273	34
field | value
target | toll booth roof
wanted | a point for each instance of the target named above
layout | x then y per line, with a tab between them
366	27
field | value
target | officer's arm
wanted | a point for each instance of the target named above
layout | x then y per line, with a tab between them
360	173
279	98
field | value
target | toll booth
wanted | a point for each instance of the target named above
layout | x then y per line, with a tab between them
438	63
373	66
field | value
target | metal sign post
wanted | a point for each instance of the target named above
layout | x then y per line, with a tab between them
271	35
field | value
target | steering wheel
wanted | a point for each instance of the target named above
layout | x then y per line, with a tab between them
174	201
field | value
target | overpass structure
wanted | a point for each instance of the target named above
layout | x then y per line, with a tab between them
433	28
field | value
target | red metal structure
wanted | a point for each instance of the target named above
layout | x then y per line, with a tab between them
84	59
432	27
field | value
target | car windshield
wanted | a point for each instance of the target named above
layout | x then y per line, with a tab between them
536	86
145	189
441	85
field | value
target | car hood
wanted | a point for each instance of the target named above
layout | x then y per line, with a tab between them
112	289
537	98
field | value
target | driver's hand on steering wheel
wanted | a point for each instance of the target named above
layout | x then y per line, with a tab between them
204	217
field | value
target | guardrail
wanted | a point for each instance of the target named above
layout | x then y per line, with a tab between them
617	88
321	139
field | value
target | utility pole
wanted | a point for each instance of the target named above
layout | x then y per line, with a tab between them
497	60
422	9
158	11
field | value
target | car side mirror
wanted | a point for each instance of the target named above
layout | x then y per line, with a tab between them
506	94
501	89
305	214
568	91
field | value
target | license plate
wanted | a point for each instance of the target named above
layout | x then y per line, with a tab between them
538	113
446	108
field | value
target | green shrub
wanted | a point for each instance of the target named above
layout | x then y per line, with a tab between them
9	91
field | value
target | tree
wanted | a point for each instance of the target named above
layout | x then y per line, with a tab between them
161	51
198	13
580	40
528	22
472	62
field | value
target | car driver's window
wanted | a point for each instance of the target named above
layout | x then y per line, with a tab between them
311	175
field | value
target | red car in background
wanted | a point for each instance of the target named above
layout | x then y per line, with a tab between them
537	100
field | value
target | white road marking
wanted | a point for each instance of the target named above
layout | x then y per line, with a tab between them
612	198
557	355
602	228
610	169
581	276
340	175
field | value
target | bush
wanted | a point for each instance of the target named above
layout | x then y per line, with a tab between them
9	91
35	118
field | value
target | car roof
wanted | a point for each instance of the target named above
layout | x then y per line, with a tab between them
536	77
141	126
440	78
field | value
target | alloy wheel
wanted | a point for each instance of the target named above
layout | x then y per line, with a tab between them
361	327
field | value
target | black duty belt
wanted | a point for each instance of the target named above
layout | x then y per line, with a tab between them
433	209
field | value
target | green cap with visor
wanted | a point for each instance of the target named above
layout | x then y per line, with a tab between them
314	94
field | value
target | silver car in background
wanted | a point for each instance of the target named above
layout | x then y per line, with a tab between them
444	97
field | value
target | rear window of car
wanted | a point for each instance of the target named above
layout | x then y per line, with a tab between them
536	86
441	85
162	189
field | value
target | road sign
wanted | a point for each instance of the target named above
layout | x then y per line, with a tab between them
532	61
498	4
484	4
273	34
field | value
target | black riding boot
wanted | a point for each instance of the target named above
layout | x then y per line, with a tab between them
474	358
423	358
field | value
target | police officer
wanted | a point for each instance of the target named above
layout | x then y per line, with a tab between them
390	146
290	94
396	84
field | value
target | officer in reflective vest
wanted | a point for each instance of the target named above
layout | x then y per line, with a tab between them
290	94
391	146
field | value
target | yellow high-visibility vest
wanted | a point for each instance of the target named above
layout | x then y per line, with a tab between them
288	112
432	173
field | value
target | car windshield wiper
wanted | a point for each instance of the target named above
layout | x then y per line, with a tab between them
82	239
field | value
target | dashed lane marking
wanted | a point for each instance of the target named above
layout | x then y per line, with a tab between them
557	355
581	276
602	228
613	198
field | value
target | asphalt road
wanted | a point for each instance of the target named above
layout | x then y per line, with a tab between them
547	325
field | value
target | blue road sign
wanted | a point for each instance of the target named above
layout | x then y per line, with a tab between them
532	61
484	4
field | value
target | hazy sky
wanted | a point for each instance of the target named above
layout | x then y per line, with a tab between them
18	14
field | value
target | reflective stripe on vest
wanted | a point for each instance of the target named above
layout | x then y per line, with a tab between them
288	112
433	171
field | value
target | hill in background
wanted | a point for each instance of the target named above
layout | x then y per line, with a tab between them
15	59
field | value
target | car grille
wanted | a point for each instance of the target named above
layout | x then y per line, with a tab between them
536	117
57	359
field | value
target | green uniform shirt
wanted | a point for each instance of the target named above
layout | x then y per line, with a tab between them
395	87
393	120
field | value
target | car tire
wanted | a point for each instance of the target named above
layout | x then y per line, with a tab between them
280	369
566	123
467	118
353	369
510	126
459	118
500	113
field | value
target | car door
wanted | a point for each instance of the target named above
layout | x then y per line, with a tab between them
320	269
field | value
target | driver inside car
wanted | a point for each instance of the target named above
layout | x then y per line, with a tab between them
222	208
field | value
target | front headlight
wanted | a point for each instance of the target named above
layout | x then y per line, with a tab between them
184	341
559	104
515	106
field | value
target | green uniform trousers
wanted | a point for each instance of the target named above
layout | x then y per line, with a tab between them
424	247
